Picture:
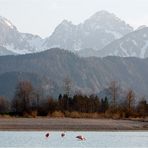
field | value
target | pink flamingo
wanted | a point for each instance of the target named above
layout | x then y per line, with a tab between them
81	137
63	134
47	135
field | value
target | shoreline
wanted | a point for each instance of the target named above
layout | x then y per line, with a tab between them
69	124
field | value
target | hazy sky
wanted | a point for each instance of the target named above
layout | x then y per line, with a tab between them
42	16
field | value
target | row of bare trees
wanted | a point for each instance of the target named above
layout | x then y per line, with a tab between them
116	92
29	101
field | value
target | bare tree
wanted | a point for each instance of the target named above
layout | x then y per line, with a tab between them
114	90
67	86
23	97
142	107
4	105
130	96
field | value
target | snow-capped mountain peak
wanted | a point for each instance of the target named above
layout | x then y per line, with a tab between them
6	22
102	34
141	27
96	32
16	42
102	15
134	44
65	23
108	21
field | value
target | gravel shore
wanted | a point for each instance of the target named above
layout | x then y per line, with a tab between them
39	124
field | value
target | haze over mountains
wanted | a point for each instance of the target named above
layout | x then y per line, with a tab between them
101	49
95	32
14	41
133	44
100	35
90	75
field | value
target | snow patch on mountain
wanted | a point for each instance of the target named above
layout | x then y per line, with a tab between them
6	22
101	35
123	50
134	44
9	24
115	34
12	48
145	35
96	32
143	50
4	51
34	41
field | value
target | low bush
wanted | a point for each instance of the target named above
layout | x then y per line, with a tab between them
57	114
75	115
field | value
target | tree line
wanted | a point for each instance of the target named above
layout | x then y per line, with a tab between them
28	102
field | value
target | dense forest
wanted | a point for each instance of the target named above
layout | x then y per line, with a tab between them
28	102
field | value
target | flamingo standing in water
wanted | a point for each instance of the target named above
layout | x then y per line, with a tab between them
62	135
81	137
47	135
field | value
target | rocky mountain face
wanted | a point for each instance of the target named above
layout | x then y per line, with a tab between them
4	51
14	41
90	75
103	34
135	44
96	32
87	52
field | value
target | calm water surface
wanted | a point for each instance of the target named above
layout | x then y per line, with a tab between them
94	139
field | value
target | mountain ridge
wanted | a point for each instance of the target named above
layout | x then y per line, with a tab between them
95	32
88	75
132	44
102	34
92	33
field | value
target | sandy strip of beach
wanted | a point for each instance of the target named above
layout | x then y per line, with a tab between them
41	124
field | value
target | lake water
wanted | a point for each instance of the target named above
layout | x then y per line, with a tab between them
93	139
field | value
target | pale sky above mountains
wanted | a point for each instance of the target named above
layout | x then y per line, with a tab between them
42	16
